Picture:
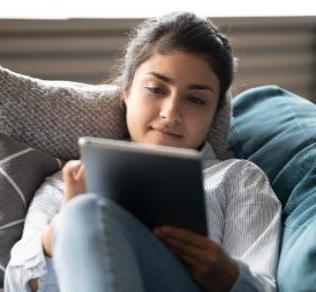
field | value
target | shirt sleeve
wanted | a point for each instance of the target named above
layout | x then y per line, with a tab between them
27	259
48	283
252	228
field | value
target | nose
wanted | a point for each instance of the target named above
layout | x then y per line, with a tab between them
171	110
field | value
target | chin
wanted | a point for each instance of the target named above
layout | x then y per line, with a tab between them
172	144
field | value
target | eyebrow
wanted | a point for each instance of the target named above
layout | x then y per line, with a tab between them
172	81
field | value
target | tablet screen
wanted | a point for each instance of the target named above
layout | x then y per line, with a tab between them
160	185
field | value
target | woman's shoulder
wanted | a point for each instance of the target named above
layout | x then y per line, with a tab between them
238	174
246	182
50	192
210	161
233	166
57	175
55	180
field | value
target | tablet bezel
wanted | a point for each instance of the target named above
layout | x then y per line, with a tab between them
199	219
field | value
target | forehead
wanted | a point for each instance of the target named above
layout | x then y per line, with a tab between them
180	66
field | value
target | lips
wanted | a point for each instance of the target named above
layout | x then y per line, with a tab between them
167	132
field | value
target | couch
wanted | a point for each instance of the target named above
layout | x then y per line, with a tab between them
276	129
272	127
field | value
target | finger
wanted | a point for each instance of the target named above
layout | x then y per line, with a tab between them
72	173
76	168
184	235
70	169
191	264
80	173
190	261
80	180
194	263
201	256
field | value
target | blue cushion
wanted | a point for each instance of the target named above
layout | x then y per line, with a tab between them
276	129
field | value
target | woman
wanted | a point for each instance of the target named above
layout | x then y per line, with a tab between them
174	80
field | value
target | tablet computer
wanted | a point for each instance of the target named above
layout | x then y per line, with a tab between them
160	185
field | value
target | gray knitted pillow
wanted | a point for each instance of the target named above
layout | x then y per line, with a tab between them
22	170
52	115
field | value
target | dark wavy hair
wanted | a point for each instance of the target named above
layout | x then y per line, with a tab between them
182	31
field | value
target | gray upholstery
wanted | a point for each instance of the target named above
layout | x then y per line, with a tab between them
22	170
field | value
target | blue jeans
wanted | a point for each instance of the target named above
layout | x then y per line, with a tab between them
98	246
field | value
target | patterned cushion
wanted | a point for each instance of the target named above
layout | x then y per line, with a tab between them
22	170
52	115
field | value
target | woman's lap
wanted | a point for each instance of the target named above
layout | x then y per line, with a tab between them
118	252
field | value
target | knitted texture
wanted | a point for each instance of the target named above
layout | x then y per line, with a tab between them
52	115
218	133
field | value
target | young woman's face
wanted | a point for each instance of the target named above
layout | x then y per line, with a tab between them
172	100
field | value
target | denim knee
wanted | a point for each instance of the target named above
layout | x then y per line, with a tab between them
90	242
77	217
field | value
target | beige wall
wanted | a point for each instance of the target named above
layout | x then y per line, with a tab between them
278	51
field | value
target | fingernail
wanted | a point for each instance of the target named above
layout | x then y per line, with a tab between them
76	167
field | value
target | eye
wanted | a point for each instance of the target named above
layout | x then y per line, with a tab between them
155	90
196	100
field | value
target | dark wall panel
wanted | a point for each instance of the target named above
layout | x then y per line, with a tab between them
270	50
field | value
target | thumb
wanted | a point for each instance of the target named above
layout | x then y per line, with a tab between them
70	170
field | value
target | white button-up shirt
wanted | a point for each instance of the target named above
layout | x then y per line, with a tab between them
244	216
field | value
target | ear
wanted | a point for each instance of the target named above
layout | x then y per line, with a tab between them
124	96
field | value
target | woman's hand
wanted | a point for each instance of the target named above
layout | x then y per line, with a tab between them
47	237
206	260
74	179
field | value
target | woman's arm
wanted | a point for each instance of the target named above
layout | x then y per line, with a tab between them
247	259
252	228
74	178
209	265
28	260
73	175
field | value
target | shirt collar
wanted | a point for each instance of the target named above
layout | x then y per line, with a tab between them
207	152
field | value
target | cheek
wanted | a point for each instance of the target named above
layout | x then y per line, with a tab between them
138	111
198	127
200	124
